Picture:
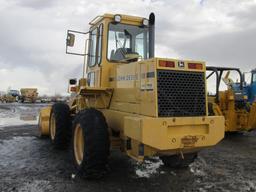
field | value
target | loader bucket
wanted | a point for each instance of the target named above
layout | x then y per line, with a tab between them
43	121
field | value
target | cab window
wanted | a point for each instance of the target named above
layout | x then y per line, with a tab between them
95	46
100	31
92	48
127	39
254	78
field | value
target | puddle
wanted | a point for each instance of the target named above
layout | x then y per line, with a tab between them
18	120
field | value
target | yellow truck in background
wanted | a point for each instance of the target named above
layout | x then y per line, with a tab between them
28	95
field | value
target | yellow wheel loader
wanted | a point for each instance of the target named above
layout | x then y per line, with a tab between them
232	103
131	100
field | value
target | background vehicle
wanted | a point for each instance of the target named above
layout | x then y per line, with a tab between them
14	93
10	97
28	95
237	104
143	105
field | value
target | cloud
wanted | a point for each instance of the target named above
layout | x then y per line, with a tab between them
232	49
35	4
33	35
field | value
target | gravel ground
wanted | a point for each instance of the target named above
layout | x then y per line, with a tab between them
28	163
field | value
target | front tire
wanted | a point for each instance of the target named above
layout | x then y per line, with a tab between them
176	161
90	143
60	125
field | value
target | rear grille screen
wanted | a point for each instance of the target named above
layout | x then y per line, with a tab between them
180	93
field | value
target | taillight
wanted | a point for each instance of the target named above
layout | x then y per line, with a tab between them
195	66
166	63
73	89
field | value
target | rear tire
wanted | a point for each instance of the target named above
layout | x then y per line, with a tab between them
176	161
60	125
90	143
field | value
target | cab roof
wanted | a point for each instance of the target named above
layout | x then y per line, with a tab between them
111	16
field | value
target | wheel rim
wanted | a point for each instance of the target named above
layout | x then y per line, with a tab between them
78	144
53	127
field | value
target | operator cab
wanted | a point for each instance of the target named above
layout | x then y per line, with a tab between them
222	74
112	40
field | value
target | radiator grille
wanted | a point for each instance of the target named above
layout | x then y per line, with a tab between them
181	93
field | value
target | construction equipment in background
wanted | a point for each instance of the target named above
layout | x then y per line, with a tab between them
131	100
10	97
14	93
28	95
7	98
237	104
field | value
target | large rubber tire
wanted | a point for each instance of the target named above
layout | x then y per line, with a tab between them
96	144
176	161
60	117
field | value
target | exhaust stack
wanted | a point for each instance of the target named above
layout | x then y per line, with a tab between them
151	35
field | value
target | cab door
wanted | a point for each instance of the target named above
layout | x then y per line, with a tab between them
94	57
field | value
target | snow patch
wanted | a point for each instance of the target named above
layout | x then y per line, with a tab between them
198	167
16	121
16	115
148	167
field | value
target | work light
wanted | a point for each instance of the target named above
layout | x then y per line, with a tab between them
117	18
145	22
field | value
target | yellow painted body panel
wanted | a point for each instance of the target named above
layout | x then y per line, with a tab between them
165	135
252	116
134	92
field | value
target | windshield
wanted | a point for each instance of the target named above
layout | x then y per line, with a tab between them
14	92
127	39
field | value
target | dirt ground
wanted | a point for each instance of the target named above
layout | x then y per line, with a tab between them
28	163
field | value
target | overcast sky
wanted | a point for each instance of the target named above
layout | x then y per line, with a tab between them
33	33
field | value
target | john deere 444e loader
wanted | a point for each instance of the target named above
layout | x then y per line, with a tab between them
131	100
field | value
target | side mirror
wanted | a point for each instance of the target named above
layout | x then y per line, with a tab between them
70	40
72	82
